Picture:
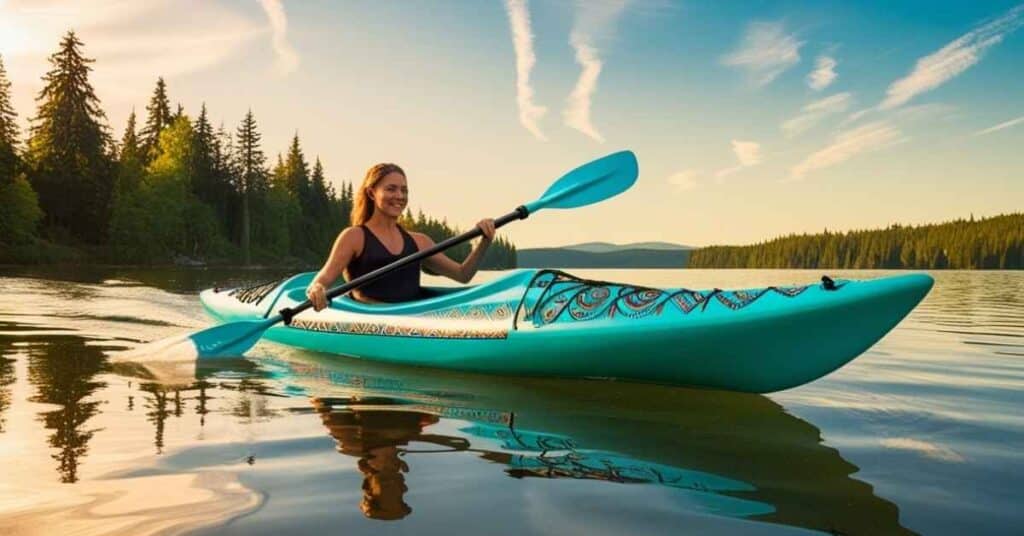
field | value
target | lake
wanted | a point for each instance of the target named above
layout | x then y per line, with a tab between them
921	434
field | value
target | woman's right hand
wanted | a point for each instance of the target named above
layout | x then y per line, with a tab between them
318	295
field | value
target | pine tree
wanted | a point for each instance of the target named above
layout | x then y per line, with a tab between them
69	150
324	226
318	191
204	180
297	173
9	162
158	117
130	158
251	176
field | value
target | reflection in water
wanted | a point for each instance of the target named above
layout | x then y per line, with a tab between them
731	454
6	379
63	369
156	411
202	399
375	437
251	405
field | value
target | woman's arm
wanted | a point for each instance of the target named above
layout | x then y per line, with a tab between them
444	265
348	244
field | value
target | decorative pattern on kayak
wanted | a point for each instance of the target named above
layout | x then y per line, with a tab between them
575	299
488	312
392	330
254	293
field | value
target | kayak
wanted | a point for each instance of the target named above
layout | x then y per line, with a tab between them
551	323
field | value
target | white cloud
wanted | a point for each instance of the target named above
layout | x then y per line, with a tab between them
814	112
593	20
684	180
824	73
846	145
577	110
951	60
1000	126
747	152
522	41
766	52
287	58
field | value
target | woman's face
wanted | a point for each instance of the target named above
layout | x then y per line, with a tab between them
391	194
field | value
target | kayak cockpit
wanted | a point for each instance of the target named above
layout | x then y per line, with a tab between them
505	289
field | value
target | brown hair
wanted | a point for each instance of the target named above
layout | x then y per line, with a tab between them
362	207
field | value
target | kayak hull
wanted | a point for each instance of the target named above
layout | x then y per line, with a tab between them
546	323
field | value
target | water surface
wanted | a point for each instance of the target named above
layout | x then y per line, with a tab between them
921	434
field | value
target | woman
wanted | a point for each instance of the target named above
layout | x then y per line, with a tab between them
375	240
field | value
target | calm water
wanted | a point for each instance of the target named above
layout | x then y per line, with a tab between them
923	433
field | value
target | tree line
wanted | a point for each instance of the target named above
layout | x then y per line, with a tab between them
989	243
174	189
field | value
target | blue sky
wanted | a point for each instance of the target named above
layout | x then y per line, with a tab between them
750	119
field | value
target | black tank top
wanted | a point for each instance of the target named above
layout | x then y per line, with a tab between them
398	286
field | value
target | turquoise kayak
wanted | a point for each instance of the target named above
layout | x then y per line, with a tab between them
550	323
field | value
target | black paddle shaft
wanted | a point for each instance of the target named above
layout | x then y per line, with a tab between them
520	213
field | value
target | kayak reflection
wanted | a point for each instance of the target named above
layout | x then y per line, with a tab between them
731	454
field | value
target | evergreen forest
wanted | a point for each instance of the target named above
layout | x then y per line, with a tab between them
172	189
989	243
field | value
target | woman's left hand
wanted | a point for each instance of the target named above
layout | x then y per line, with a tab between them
487	226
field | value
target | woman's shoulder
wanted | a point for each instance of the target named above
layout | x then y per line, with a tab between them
422	240
353	236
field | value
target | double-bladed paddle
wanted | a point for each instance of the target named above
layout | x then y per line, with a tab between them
588	184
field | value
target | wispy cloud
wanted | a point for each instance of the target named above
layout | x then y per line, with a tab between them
287	58
846	145
747	152
593	20
684	180
951	60
1000	126
813	113
824	73
765	53
522	41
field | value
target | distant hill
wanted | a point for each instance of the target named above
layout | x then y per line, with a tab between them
606	247
569	257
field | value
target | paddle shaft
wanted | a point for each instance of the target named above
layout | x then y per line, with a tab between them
519	213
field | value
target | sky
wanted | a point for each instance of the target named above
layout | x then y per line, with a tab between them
750	120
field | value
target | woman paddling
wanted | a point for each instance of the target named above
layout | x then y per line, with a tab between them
375	240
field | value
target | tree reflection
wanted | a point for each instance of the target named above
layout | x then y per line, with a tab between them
156	412
63	369
6	379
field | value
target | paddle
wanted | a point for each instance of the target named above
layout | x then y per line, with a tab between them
585	185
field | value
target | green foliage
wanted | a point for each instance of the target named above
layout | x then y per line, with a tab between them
251	178
70	165
9	162
992	243
130	162
162	219
501	255
174	191
20	214
158	117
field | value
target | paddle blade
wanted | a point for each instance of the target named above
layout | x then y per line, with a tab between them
230	340
590	183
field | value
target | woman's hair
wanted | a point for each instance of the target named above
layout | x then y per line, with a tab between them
362	207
